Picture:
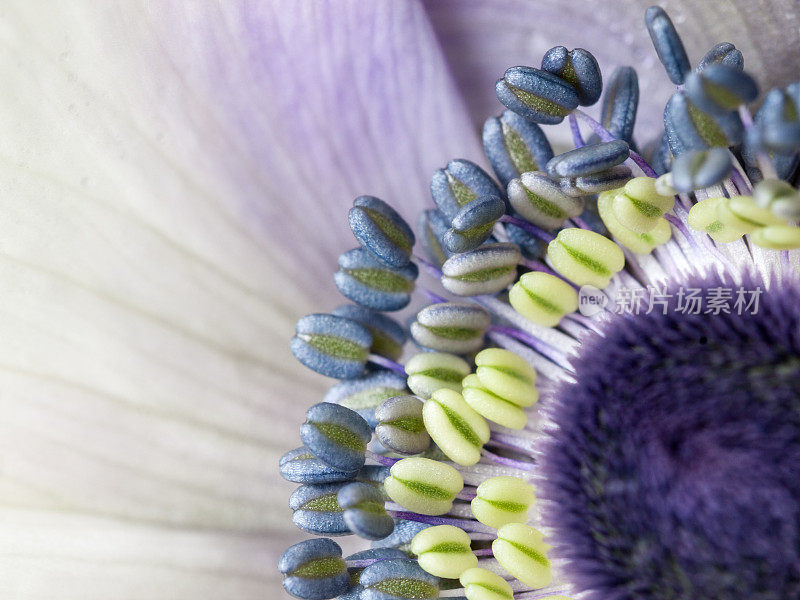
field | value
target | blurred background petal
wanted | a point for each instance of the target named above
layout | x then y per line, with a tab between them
174	183
482	39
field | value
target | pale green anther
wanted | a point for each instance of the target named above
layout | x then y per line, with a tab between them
743	214
457	429
777	237
370	398
430	371
664	185
336	346
520	154
461	193
492	407
320	568
638	205
778	196
521	550
507	375
543	298
383	280
482	584
703	217
638	243
585	257
502	500
444	551
423	486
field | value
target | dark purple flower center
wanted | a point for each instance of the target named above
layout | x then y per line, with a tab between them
675	470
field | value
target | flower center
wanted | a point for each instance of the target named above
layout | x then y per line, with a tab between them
675	469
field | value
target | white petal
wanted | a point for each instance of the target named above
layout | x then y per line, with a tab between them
172	201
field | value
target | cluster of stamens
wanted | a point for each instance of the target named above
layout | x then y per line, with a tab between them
432	460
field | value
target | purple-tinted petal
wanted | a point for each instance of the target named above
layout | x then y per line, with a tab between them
481	39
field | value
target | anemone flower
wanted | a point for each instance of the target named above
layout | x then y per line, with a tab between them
174	190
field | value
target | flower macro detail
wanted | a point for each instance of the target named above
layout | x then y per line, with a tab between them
603	397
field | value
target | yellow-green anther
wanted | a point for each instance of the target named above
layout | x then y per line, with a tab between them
482	584
457	429
522	552
777	237
543	298
664	184
507	375
423	486
444	551
491	406
502	500
703	217
638	205
585	257
638	243
431	371
743	214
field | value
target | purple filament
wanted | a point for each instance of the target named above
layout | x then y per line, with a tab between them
605	135
433	296
432	269
387	363
577	138
467	525
581	223
535	231
507	462
511	442
380	459
542	348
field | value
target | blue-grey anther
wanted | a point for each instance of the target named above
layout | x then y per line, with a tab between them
775	132
433	225
699	169
336	435
487	269
620	102
531	247
577	67
719	89
364	512
540	200
365	393
589	159
372	283
689	128
460	183
451	327
301	466
404	532
388	336
473	223
382	231
536	95
317	511
314	570
723	53
595	183
400	427
397	579
667	43
514	145
778	121
332	346
364	558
